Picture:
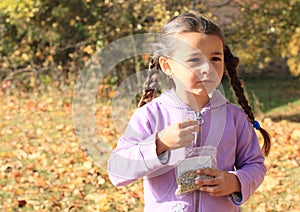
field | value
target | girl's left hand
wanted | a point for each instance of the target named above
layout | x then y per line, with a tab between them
223	183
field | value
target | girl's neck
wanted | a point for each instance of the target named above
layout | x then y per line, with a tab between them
196	102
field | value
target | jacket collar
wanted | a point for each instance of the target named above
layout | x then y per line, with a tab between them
171	99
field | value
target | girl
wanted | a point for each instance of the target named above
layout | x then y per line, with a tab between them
193	53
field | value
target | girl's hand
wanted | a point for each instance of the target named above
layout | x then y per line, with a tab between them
223	183
176	136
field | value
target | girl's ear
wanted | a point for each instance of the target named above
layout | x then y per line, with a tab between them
165	66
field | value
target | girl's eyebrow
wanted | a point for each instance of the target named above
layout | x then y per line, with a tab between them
195	54
217	53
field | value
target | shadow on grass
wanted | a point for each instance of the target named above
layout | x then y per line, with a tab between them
290	118
277	97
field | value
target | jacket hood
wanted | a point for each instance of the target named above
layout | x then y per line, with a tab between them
170	99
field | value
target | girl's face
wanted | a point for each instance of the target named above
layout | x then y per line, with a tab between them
197	62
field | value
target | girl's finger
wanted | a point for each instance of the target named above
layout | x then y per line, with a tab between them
188	123
208	182
209	172
188	139
191	129
212	191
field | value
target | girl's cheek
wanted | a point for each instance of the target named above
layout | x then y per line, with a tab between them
220	70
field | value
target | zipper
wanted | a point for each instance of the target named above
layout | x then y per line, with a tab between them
197	198
200	120
198	143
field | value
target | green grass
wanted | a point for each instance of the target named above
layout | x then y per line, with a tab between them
274	92
274	96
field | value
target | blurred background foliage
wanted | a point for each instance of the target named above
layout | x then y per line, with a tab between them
48	42
44	45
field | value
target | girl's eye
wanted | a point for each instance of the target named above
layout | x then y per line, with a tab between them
216	59
194	60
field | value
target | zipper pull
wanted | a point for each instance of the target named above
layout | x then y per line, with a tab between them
199	118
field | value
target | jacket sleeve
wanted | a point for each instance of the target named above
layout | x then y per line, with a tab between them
135	155
250	168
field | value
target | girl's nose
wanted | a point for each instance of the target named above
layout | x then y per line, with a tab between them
205	68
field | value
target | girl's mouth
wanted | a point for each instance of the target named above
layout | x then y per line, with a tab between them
205	81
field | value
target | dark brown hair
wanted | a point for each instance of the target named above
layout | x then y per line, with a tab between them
189	22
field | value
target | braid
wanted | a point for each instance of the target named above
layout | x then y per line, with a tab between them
231	63
151	82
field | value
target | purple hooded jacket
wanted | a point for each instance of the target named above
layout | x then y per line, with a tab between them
238	152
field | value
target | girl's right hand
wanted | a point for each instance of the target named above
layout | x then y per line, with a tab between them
176	136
